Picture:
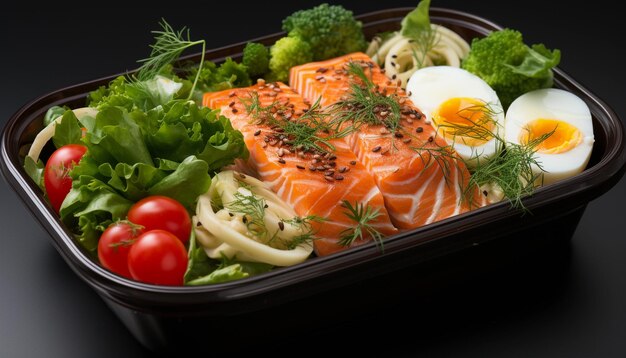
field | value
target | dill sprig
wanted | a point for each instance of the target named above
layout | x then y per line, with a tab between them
168	46
305	225
482	127
422	43
253	210
309	132
512	170
444	157
365	104
362	215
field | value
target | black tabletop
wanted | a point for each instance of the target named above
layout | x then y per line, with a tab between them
571	302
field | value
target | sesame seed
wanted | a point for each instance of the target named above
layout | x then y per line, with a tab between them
235	110
232	94
257	132
430	139
399	135
231	104
316	156
485	193
266	206
406	141
280	152
230	214
320	168
323	80
393	64
338	177
322	69
394	56
327	166
384	113
299	166
244	219
329	178
281	225
242	176
376	149
419	130
427	122
394	76
332	157
281	161
409	93
264	145
353	162
329	172
382	70
412	116
319	77
312	168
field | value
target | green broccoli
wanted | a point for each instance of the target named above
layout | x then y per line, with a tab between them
286	53
509	66
330	30
256	58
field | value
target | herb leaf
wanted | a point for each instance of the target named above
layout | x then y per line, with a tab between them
362	215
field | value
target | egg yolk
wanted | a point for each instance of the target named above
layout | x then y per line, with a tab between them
564	136
465	120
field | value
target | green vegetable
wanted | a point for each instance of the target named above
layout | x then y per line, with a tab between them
170	150
509	66
67	131
203	270
35	171
179	129
286	53
211	77
331	31
417	21
256	58
53	113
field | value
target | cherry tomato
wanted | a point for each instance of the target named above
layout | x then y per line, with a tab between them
56	174
114	245
158	257
163	213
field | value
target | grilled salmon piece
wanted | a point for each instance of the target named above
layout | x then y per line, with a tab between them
421	178
313	182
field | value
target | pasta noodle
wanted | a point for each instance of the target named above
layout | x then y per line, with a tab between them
223	229
401	56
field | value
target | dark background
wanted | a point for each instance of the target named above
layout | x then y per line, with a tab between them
570	301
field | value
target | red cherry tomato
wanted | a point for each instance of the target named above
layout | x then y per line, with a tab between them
158	257
162	213
56	174
114	245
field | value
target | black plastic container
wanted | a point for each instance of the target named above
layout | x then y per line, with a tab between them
167	318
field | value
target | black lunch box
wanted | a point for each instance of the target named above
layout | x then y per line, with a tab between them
323	290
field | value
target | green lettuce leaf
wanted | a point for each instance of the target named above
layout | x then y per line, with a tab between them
52	113
416	21
538	62
35	171
68	131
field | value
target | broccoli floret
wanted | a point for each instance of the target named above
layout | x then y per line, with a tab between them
256	58
509	66
330	30
286	53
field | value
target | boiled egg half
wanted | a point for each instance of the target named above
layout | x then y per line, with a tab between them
559	125
463	109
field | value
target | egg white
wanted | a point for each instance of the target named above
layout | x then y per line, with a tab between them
559	105
431	86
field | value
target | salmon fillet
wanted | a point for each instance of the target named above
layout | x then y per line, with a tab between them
314	183
419	175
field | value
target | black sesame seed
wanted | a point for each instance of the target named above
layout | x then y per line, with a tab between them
281	225
258	131
399	135
299	166
329	178
244	219
393	77
376	149
235	110
353	162
419	130
430	139
281	161
485	193
338	177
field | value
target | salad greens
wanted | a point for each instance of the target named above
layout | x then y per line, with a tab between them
203	270
170	150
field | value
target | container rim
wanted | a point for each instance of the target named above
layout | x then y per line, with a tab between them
601	176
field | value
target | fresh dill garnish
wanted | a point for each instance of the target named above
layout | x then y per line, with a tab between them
362	215
443	156
511	169
309	132
365	104
167	48
479	124
304	224
253	210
